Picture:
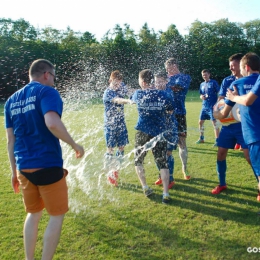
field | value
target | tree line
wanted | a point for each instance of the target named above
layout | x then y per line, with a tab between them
84	64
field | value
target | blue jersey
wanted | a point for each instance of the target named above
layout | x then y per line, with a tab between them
210	90
225	85
114	113
223	90
152	105
250	115
183	82
35	146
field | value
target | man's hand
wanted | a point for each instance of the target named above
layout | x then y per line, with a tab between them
15	184
79	150
231	94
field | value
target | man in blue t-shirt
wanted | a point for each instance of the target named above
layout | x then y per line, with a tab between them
229	134
179	83
247	91
152	105
209	94
34	127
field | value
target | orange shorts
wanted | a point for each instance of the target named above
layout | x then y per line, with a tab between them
53	197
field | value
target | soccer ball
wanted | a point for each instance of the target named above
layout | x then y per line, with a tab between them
234	115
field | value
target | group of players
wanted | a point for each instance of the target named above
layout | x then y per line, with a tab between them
161	106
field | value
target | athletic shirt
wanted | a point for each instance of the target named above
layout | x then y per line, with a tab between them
114	113
210	89
223	90
35	146
225	85
250	115
152	105
183	81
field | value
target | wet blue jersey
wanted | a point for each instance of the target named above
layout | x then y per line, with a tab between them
114	113
250	115
183	82
152	105
210	90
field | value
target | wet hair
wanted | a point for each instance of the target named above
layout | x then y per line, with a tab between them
252	60
205	71
115	75
161	74
38	67
171	61
147	76
237	57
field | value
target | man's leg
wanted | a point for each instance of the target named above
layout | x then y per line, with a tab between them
30	233
221	166
183	153
165	180
216	131
201	129
52	236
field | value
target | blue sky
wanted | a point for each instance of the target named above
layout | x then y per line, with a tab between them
99	16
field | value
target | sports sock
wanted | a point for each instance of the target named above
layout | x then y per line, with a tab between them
221	170
202	137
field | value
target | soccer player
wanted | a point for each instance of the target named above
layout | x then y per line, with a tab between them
231	134
171	134
152	105
179	83
116	134
34	127
247	91
209	94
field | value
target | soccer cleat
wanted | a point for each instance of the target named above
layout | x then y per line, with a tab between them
148	192
112	178
219	189
237	147
200	141
112	181
166	200
158	182
115	173
171	184
186	176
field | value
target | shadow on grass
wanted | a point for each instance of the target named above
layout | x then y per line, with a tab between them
214	150
192	195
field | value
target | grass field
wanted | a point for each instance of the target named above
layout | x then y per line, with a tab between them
105	222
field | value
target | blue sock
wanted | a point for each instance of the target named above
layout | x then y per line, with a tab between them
170	162
202	137
221	170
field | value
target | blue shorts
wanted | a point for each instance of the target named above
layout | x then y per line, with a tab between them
230	135
116	136
206	114
254	151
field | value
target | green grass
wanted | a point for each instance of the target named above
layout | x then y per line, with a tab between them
105	222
